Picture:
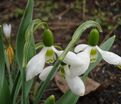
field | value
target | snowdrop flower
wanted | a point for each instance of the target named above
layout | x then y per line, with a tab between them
7	30
92	51
85	62
109	57
71	58
37	63
75	84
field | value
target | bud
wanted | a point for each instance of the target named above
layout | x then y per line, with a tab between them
93	37
10	54
50	100
7	30
48	38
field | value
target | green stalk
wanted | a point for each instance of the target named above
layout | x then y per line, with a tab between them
16	88
9	73
23	85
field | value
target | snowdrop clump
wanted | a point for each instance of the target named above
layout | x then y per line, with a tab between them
75	63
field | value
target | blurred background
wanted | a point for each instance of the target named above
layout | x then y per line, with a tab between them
63	17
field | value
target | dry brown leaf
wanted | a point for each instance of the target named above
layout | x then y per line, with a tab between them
90	84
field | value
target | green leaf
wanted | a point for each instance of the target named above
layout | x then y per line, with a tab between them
2	60
5	93
50	100
29	51
69	97
16	89
26	20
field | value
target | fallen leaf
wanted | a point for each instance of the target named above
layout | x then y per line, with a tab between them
90	84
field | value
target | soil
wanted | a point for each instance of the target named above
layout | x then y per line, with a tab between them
63	20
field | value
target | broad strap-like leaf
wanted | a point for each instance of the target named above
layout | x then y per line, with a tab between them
2	60
26	20
5	93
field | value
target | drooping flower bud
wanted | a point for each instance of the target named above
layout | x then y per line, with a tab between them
48	38
93	37
7	30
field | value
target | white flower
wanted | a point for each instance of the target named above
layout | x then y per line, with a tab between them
75	84
45	73
7	30
109	57
71	58
37	63
81	69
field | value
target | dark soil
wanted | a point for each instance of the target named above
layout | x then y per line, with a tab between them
63	19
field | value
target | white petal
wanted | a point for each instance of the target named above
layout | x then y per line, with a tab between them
80	47
43	75
79	70
110	57
71	58
7	30
76	85
36	64
67	70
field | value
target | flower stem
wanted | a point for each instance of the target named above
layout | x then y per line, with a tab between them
23	85
9	73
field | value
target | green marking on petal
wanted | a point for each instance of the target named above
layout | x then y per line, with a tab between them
93	55
62	71
49	52
50	56
93	51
